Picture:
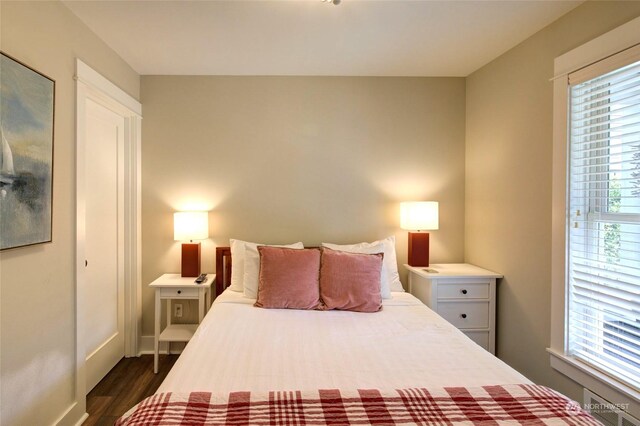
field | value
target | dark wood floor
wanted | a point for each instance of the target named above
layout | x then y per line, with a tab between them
128	383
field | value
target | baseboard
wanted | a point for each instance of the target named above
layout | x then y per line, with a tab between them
73	416
82	419
146	347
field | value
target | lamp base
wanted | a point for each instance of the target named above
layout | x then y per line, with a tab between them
190	259
418	249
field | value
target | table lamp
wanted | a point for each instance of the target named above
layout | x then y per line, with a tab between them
419	216
189	226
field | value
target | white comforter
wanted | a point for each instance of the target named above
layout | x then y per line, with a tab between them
238	347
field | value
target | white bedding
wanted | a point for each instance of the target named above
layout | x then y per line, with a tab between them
238	347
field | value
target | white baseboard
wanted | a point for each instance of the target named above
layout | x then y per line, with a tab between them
146	346
85	417
73	416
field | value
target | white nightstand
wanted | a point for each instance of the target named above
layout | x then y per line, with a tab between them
463	294
173	286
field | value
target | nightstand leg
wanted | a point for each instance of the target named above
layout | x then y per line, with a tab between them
201	306
156	337
168	302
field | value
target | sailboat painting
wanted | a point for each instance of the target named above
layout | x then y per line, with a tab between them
7	171
26	154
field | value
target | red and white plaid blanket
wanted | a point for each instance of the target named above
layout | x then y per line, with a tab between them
487	405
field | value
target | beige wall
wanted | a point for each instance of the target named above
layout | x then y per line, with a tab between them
37	289
508	181
280	159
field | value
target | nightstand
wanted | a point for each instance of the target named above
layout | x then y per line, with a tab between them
173	286
463	294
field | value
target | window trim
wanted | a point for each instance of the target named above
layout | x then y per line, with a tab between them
592	52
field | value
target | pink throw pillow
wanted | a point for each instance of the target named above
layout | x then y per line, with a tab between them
288	278
350	281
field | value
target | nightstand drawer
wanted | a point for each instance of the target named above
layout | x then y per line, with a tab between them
463	291
179	292
465	314
480	337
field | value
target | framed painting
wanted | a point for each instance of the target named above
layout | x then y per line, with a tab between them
27	99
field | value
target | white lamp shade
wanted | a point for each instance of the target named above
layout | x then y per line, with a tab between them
419	215
190	226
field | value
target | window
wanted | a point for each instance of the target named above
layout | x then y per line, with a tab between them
603	224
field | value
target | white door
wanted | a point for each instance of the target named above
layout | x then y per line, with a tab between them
104	283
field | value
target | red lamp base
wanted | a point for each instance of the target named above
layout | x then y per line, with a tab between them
190	259
419	248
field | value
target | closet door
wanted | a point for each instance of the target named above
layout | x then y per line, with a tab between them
104	310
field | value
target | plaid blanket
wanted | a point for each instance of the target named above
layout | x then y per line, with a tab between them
487	405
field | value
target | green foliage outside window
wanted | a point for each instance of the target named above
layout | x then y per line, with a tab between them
636	173
612	230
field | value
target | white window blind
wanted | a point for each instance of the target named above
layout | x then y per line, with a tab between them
603	319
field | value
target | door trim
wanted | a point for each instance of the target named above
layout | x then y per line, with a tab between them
92	85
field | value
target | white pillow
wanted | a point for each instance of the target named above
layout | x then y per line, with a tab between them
371	249
237	264
252	267
389	262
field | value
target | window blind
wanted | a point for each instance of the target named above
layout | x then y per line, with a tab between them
603	268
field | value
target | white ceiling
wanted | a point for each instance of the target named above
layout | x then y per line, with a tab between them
309	37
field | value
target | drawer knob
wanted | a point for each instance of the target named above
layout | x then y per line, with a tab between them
463	315
463	291
179	291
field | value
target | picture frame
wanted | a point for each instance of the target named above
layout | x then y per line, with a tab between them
27	123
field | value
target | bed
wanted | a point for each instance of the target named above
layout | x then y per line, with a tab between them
401	365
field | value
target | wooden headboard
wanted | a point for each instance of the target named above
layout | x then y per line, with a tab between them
223	269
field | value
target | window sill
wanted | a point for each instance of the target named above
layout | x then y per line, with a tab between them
597	382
